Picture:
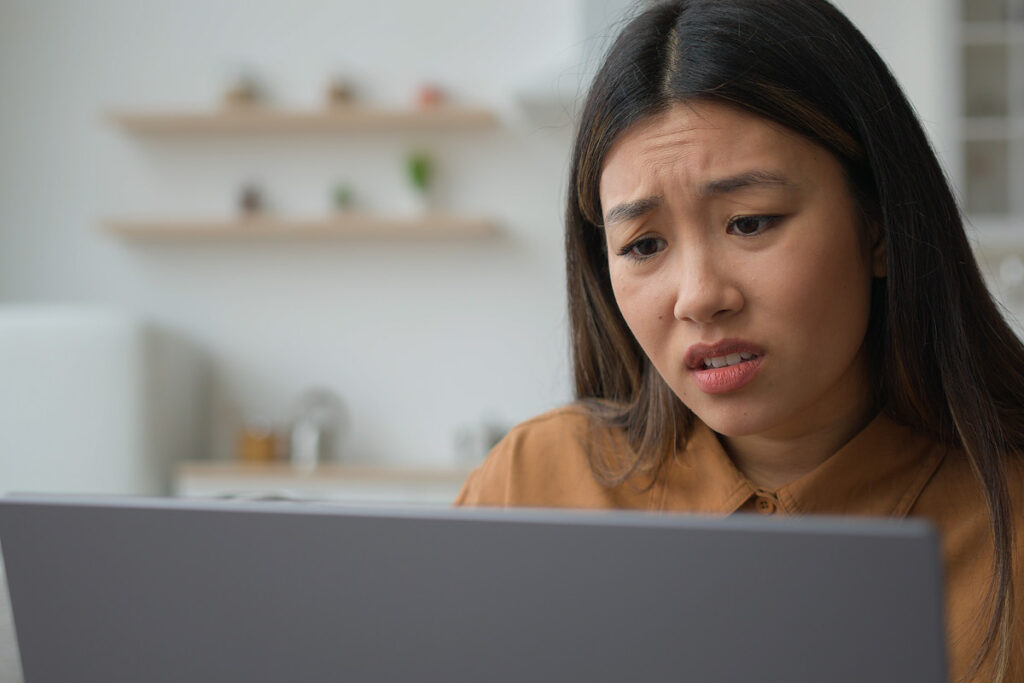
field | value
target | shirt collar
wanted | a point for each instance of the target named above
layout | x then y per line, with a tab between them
880	472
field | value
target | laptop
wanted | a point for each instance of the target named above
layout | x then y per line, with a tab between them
181	590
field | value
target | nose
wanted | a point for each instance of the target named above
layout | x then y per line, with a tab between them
707	289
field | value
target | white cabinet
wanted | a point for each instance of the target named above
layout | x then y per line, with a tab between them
93	401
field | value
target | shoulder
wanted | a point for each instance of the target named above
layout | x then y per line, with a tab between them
541	462
553	423
956	488
954	500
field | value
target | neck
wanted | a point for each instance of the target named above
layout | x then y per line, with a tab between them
772	460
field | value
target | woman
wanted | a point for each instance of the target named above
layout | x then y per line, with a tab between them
774	307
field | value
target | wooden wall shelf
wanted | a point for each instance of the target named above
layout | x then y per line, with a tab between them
354	226
326	481
279	469
258	119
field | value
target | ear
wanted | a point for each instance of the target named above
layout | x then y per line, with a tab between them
878	266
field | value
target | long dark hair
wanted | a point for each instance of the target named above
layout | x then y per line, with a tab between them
949	365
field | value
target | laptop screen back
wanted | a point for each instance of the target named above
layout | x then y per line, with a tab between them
172	590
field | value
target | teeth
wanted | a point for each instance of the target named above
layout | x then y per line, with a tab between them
731	359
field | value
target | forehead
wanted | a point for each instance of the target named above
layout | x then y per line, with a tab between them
695	143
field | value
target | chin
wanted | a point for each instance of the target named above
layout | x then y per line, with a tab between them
734	421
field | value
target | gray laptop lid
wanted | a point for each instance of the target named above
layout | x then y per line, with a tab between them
172	590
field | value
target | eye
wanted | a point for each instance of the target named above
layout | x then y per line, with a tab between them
749	226
643	248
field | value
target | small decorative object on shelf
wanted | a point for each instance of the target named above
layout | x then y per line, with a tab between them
429	95
419	168
250	200
244	91
257	443
339	93
342	197
317	426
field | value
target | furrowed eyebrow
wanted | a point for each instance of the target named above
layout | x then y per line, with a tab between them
743	181
638	207
630	210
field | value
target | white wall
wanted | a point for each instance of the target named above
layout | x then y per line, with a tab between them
919	41
419	338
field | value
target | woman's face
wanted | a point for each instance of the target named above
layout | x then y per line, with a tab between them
736	258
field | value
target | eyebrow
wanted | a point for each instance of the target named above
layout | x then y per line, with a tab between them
743	181
630	210
638	207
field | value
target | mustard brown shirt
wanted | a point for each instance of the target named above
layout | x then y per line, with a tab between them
886	470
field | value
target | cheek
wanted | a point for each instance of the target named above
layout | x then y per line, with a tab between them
827	295
641	302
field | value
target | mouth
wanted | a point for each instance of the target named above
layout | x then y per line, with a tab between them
710	362
723	354
724	367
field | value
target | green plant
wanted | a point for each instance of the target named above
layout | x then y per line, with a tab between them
420	168
343	197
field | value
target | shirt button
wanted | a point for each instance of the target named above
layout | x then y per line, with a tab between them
766	506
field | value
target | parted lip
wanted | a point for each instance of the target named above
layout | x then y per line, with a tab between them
696	354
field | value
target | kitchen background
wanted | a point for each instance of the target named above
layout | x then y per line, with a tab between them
115	349
434	343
